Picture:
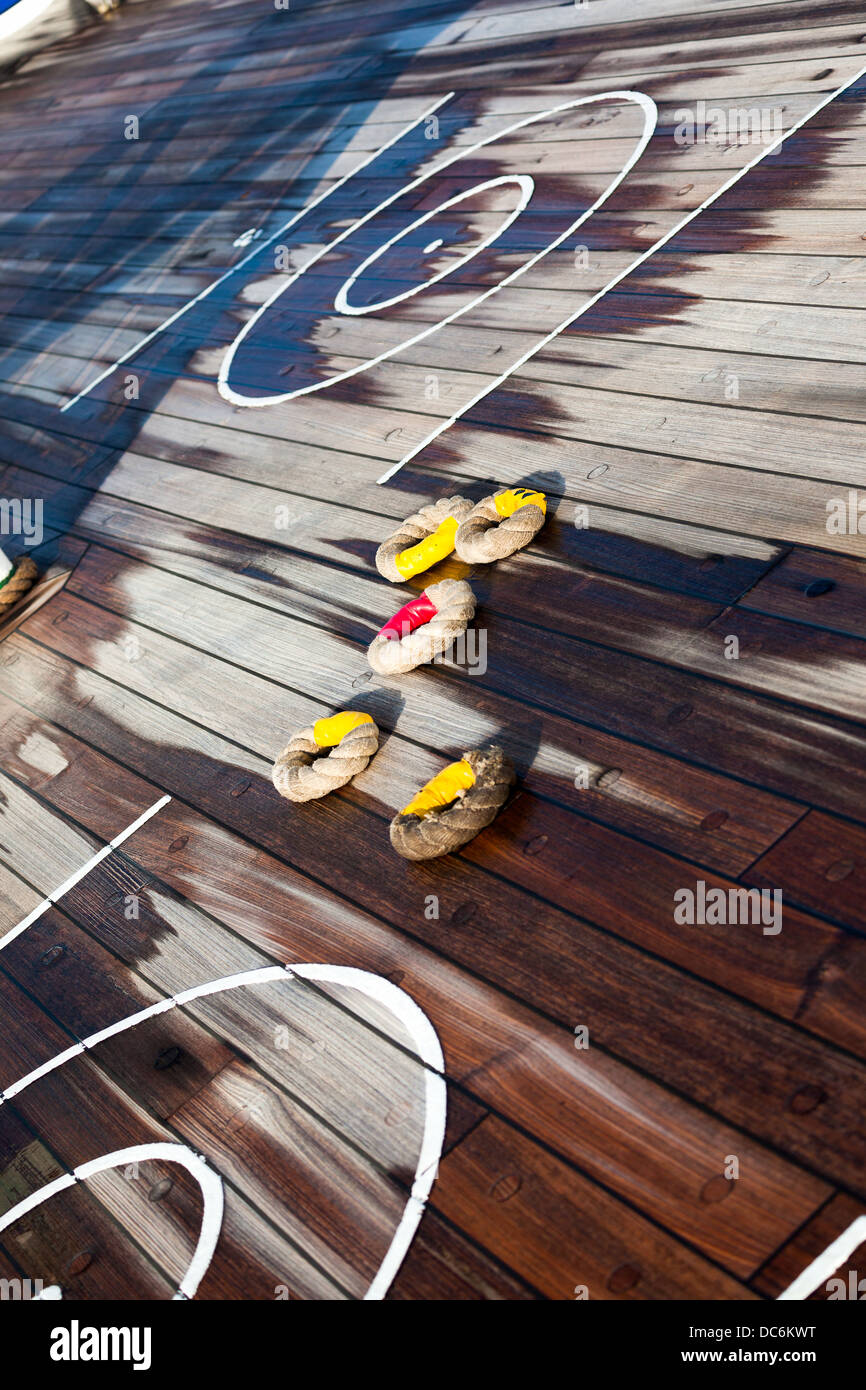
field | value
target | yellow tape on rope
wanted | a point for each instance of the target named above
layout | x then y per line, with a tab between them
329	732
430	551
507	503
442	789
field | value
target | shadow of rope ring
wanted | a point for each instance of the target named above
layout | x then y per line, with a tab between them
422	629
425	538
300	773
500	524
451	809
22	579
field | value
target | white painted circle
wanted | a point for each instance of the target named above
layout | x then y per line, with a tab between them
650	115
209	1182
524	182
395	1000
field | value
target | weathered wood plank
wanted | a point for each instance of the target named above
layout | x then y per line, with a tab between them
510	1057
587	979
821	863
544	1223
810	1242
813	587
442	1265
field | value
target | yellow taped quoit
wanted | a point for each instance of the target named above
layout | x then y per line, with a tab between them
507	503
430	551
329	732
441	790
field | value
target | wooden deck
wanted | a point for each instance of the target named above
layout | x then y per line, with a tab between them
216	591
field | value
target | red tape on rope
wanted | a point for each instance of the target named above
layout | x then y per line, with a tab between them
410	616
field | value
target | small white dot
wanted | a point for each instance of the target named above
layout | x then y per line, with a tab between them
433	246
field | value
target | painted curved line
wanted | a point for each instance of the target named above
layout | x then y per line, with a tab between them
525	182
209	1182
429	1049
256	251
398	1003
650	111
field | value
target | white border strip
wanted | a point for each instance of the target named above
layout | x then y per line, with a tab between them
21	14
825	1265
79	874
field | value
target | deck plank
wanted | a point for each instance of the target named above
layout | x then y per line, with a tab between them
498	1050
194	634
498	1181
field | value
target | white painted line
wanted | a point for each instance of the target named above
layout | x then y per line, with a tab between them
824	1266
395	1000
76	1050
211	1191
81	873
617	279
399	1004
429	1049
256	251
525	183
650	111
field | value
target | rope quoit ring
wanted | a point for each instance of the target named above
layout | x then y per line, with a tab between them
451	809
500	524
423	540
422	629
300	774
22	579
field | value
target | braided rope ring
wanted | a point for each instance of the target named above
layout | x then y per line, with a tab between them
300	774
452	808
422	629
20	581
502	523
423	539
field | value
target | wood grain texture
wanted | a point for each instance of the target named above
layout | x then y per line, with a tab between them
500	1052
693	430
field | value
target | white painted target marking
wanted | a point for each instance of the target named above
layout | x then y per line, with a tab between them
525	183
399	1004
211	1191
639	98
650	114
257	250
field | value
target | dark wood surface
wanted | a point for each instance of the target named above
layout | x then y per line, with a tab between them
188	634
